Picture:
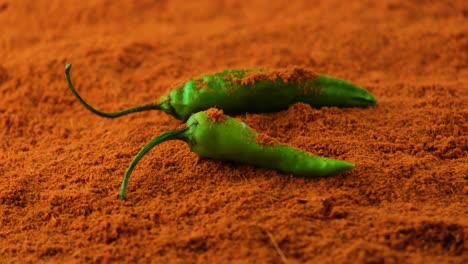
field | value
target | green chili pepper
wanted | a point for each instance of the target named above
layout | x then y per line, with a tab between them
210	134
240	91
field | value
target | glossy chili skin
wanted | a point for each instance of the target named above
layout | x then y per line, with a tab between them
233	140
226	138
225	91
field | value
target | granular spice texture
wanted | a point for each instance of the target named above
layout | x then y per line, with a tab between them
61	166
216	115
289	74
264	139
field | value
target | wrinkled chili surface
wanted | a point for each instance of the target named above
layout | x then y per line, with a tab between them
61	166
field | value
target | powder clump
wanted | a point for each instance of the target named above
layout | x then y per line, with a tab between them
216	115
289	74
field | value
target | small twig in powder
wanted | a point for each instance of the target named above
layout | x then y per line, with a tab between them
275	245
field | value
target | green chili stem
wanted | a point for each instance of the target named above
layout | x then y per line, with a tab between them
175	134
149	106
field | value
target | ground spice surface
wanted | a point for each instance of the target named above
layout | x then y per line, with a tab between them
289	74
216	115
264	139
61	166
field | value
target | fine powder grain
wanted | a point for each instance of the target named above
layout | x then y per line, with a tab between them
61	166
216	115
289	74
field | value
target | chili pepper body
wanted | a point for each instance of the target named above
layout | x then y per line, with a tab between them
235	92
232	140
225	91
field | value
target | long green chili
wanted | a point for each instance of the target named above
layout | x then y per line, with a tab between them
239	91
213	135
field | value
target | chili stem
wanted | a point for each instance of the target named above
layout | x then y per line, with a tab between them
175	134
149	106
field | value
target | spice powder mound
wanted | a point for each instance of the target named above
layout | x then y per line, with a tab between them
216	115
61	166
288	74
264	139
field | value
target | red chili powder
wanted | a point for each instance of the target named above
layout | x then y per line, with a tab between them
61	166
215	114
288	74
264	139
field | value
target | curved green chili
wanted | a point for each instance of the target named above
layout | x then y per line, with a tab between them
210	134
240	91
